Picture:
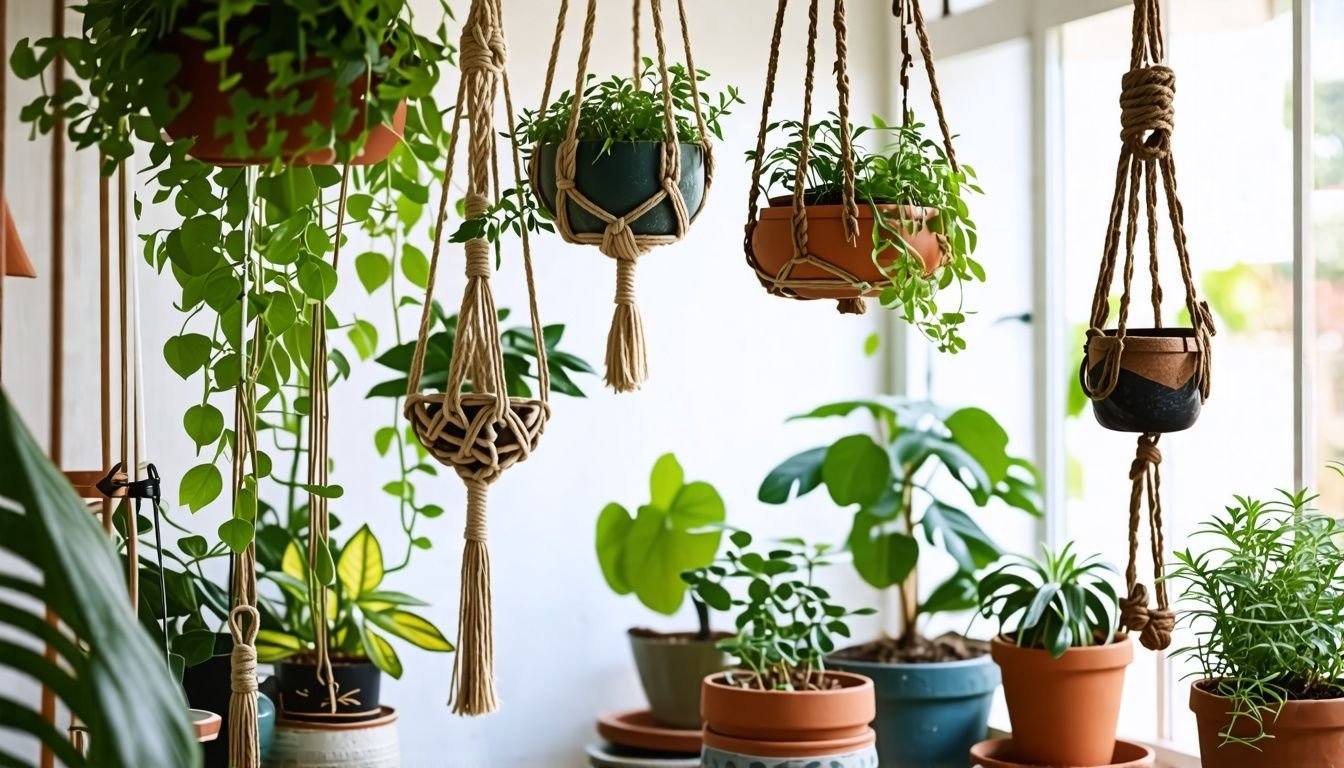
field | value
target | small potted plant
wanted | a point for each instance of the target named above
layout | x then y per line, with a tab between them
915	235
908	486
679	529
620	133
781	700
359	611
1265	596
1063	663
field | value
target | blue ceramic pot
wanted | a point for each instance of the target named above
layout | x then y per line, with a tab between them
207	687
929	715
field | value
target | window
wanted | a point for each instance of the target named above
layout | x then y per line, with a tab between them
1033	89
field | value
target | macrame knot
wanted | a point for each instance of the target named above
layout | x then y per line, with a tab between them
625	281
618	241
1145	455
243	622
1147	115
1110	367
478	258
477	493
564	183
1154	625
853	306
483	47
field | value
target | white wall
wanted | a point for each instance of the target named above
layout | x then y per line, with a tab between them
728	362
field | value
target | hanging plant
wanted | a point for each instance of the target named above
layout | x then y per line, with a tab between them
915	236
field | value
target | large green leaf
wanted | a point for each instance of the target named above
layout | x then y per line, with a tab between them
413	628
856	470
379	651
970	546
798	475
665	481
883	557
613	527
360	568
43	523
982	437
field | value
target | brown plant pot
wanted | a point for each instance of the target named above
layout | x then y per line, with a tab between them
1063	711
207	106
1002	753
1303	735
671	666
774	721
1158	388
772	247
17	263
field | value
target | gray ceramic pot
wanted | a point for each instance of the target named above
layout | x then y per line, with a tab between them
929	715
671	667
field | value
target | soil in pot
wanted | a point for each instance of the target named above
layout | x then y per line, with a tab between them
1064	711
772	246
1001	753
303	698
620	180
831	722
207	688
1305	734
933	697
671	666
1158	389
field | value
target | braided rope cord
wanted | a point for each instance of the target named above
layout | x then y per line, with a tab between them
784	282
483	432
626	356
1147	93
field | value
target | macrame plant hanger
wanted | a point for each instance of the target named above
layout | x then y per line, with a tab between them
627	358
820	275
483	432
1112	368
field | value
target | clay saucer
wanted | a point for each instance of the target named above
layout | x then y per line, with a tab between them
639	730
998	753
612	756
206	724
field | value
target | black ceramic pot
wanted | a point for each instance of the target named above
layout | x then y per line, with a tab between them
207	687
302	697
1158	388
620	180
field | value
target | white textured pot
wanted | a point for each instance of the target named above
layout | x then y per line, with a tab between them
371	744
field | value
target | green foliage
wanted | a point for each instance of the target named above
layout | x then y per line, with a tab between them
1054	605
1265	600
678	530
786	623
615	110
106	671
357	606
909	170
891	482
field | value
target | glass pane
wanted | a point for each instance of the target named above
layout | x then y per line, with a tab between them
1327	207
1241	173
954	6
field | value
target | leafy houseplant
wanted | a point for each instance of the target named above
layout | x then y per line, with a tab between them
1265	600
907	487
679	529
1063	665
781	699
915	238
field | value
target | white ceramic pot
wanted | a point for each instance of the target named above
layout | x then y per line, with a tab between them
371	744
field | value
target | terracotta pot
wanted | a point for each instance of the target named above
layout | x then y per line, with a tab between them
638	730
787	728
302	697
371	744
620	180
1001	753
671	667
200	118
1306	734
1063	711
772	247
206	724
17	263
1158	390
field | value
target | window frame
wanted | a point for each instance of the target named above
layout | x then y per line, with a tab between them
1040	23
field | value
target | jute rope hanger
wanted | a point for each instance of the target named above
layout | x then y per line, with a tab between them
627	356
484	432
1147	117
784	282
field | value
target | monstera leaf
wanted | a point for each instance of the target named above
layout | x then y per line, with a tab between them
120	687
677	531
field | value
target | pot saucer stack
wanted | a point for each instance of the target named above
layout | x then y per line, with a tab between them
634	739
999	753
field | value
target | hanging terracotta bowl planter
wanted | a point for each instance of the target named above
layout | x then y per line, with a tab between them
619	180
358	684
201	118
1157	388
834	267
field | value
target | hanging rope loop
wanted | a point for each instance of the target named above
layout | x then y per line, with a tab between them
1153	623
1147	115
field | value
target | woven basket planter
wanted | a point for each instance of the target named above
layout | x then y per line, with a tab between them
492	446
1158	388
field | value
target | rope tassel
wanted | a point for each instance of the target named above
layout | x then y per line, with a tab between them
244	739
627	358
1154	624
474	667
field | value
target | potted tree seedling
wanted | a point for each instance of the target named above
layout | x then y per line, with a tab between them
905	482
915	234
644	554
781	700
1062	661
1264	594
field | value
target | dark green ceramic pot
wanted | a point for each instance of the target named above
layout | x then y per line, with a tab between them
207	687
619	181
1158	388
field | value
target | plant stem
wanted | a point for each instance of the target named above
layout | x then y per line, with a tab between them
910	587
701	614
